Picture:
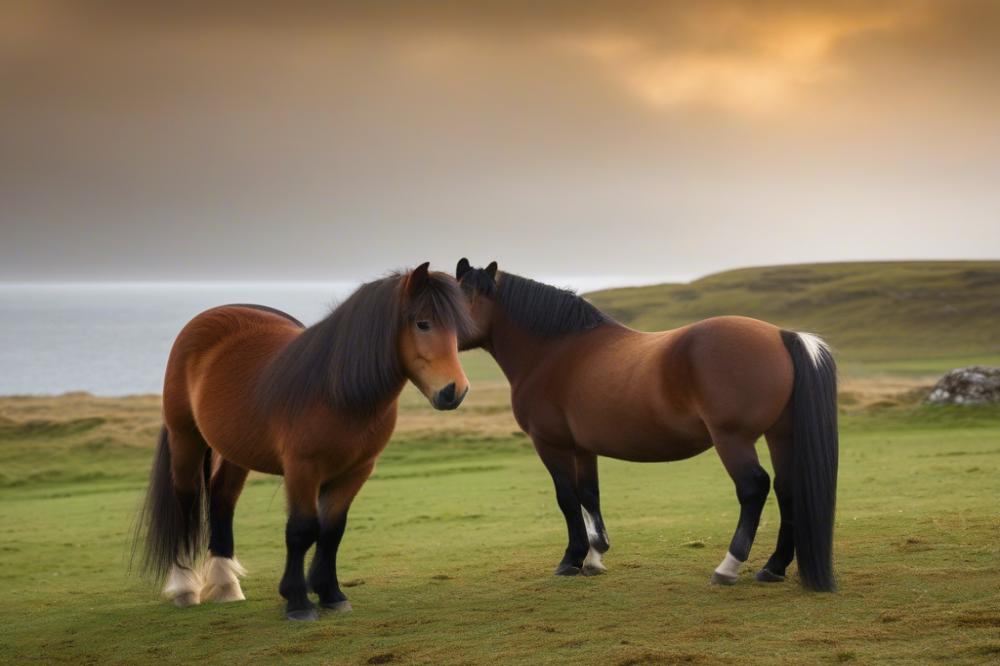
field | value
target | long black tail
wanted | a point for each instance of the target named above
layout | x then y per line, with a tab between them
814	439
171	526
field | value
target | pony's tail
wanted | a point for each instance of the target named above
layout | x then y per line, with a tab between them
814	442
171	527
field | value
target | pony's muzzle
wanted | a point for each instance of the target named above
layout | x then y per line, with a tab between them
448	398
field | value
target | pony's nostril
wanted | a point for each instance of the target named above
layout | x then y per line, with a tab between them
447	394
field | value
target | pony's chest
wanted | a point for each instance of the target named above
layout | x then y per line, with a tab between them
340	443
538	413
373	439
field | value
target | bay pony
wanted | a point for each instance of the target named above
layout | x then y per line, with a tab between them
248	387
583	385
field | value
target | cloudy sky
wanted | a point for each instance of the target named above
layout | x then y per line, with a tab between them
639	140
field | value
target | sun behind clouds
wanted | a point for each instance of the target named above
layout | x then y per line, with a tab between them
737	60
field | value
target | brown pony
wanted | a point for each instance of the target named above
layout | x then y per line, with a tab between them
583	385
249	385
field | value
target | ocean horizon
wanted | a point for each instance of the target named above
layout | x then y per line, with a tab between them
113	338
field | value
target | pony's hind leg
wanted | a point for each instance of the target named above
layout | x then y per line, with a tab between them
752	485
187	463
561	463
335	501
222	571
588	490
779	441
301	531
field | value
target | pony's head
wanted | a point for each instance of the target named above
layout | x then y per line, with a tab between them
433	317
480	288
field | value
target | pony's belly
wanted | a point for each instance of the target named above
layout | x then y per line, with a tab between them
245	449
664	447
638	436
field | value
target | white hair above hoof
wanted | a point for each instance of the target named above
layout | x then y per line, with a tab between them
593	564
222	580
183	586
728	572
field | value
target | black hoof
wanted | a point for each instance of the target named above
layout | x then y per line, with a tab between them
765	576
722	579
302	611
338	606
303	615
567	570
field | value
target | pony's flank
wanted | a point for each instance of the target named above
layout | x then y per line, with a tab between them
544	309
349	360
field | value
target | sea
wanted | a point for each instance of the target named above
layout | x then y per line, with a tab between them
113	338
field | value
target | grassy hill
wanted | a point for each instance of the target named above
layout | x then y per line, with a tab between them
909	316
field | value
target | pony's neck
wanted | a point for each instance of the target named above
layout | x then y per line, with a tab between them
515	349
388	403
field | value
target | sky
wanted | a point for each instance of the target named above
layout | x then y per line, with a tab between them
619	141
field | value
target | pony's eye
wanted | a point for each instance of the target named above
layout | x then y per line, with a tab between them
424	325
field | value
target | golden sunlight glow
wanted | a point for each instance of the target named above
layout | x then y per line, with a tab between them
761	70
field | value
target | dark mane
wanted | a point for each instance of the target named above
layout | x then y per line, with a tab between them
544	309
349	360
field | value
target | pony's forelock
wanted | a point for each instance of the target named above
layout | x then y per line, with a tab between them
442	301
349	360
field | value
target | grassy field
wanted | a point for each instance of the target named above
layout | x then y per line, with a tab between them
912	317
450	548
451	544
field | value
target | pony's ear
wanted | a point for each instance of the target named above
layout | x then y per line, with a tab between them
492	270
417	279
462	268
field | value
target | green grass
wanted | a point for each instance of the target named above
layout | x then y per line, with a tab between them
917	367
480	366
926	316
451	544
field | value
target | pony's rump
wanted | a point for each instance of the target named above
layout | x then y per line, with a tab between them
267	308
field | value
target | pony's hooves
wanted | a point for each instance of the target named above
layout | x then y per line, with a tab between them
765	576
593	570
223	594
567	570
723	579
186	599
338	606
304	615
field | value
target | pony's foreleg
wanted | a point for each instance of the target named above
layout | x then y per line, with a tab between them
301	531
752	485
588	490
561	463
222	571
335	500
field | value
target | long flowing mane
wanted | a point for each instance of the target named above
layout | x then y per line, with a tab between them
544	309
349	360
